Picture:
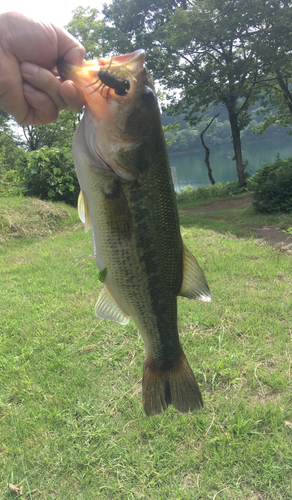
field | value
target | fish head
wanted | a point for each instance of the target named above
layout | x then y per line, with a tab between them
121	125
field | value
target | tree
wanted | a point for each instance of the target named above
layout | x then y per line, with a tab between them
10	150
207	49
56	134
207	150
276	54
276	105
88	27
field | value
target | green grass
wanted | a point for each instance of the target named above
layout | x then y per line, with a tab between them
25	220
71	384
210	193
189	202
236	221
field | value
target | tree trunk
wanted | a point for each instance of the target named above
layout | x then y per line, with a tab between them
285	89
207	150
235	131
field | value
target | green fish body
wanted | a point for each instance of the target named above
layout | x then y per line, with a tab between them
127	199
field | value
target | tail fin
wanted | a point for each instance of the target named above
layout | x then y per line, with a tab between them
177	387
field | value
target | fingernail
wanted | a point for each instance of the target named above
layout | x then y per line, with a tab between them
29	69
70	90
75	56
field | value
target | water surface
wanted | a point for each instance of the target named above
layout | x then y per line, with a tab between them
191	169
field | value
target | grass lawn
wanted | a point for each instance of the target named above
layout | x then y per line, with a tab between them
72	424
238	221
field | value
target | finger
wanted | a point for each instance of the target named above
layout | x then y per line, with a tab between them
68	47
11	96
72	95
45	81
64	95
74	55
42	109
44	43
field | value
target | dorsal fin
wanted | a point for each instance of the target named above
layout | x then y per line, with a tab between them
194	285
107	308
83	210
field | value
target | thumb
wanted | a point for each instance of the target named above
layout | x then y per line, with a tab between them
75	56
69	48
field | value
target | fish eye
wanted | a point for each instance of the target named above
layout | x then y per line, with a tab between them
147	96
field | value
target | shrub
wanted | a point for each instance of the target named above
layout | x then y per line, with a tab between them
49	174
272	187
10	183
219	190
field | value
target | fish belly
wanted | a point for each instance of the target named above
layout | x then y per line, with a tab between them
136	236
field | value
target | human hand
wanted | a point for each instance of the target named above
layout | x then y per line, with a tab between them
29	89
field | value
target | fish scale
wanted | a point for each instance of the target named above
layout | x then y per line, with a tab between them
127	199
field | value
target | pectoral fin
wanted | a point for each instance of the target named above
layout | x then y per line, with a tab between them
194	285
107	308
83	210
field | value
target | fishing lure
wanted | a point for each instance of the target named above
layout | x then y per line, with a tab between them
120	85
112	81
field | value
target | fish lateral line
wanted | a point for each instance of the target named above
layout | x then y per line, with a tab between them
121	161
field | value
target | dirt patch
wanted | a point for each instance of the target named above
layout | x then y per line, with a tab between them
270	234
274	236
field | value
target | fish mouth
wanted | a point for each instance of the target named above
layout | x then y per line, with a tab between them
133	62
84	76
101	82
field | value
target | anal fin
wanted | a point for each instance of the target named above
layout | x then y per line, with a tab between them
194	285
107	308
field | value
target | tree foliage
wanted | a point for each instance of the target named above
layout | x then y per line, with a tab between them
55	134
88	27
276	101
275	50
49	174
272	187
211	51
10	144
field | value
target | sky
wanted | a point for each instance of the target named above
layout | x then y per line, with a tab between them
54	11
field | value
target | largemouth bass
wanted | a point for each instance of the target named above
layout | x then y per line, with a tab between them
127	199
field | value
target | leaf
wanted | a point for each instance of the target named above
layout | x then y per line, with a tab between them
14	488
51	193
289	424
102	275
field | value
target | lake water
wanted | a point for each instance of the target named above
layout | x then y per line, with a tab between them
191	169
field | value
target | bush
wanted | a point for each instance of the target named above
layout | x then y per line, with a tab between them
219	190
10	183
49	174
272	187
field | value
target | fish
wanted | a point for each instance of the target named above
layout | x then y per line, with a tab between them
128	201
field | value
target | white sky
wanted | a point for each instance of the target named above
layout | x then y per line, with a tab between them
55	11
